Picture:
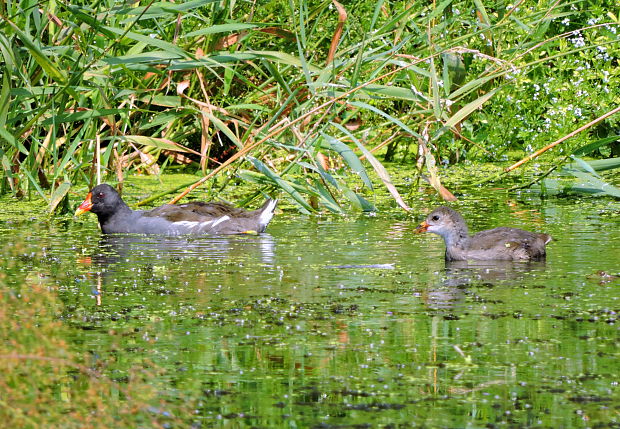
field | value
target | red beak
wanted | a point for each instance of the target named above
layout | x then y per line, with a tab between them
85	206
422	227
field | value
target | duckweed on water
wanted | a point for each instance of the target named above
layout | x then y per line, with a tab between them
306	326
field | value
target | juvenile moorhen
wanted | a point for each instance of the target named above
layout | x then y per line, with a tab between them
493	244
190	218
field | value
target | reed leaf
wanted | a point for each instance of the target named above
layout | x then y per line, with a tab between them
4	100
159	143
385	115
348	156
221	28
58	195
223	128
379	169
282	184
591	147
465	111
46	64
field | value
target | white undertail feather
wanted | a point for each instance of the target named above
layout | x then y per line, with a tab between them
267	213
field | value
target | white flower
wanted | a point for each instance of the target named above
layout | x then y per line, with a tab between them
416	91
578	41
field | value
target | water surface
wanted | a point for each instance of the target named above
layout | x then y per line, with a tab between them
357	322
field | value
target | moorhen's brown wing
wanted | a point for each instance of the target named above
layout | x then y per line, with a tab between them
507	243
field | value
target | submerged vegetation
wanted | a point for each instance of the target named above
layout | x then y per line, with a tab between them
294	96
47	383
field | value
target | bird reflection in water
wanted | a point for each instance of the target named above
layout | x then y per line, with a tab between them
119	252
454	286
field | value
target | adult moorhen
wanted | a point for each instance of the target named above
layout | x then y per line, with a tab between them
190	218
493	244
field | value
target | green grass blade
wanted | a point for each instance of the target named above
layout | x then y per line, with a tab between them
483	13
582	165
159	143
4	100
591	147
57	196
282	184
392	119
35	184
217	122
435	89
598	165
379	169
439	9
348	156
591	184
465	111
10	139
150	41
161	8
82	116
48	66
222	28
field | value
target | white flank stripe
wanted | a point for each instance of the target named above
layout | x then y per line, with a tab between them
218	221
187	223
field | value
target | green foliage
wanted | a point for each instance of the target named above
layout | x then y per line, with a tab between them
145	81
563	85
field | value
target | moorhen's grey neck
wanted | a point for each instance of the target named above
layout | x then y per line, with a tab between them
494	244
191	218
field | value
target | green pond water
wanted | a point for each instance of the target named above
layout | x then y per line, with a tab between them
293	329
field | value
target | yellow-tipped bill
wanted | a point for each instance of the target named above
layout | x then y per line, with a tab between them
85	206
422	227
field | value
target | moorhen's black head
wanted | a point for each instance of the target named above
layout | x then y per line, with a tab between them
103	200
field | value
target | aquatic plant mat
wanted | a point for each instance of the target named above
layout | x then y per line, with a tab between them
322	322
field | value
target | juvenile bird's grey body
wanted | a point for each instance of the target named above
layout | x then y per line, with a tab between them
501	243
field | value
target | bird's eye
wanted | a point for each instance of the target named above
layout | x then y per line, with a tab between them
435	218
101	195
